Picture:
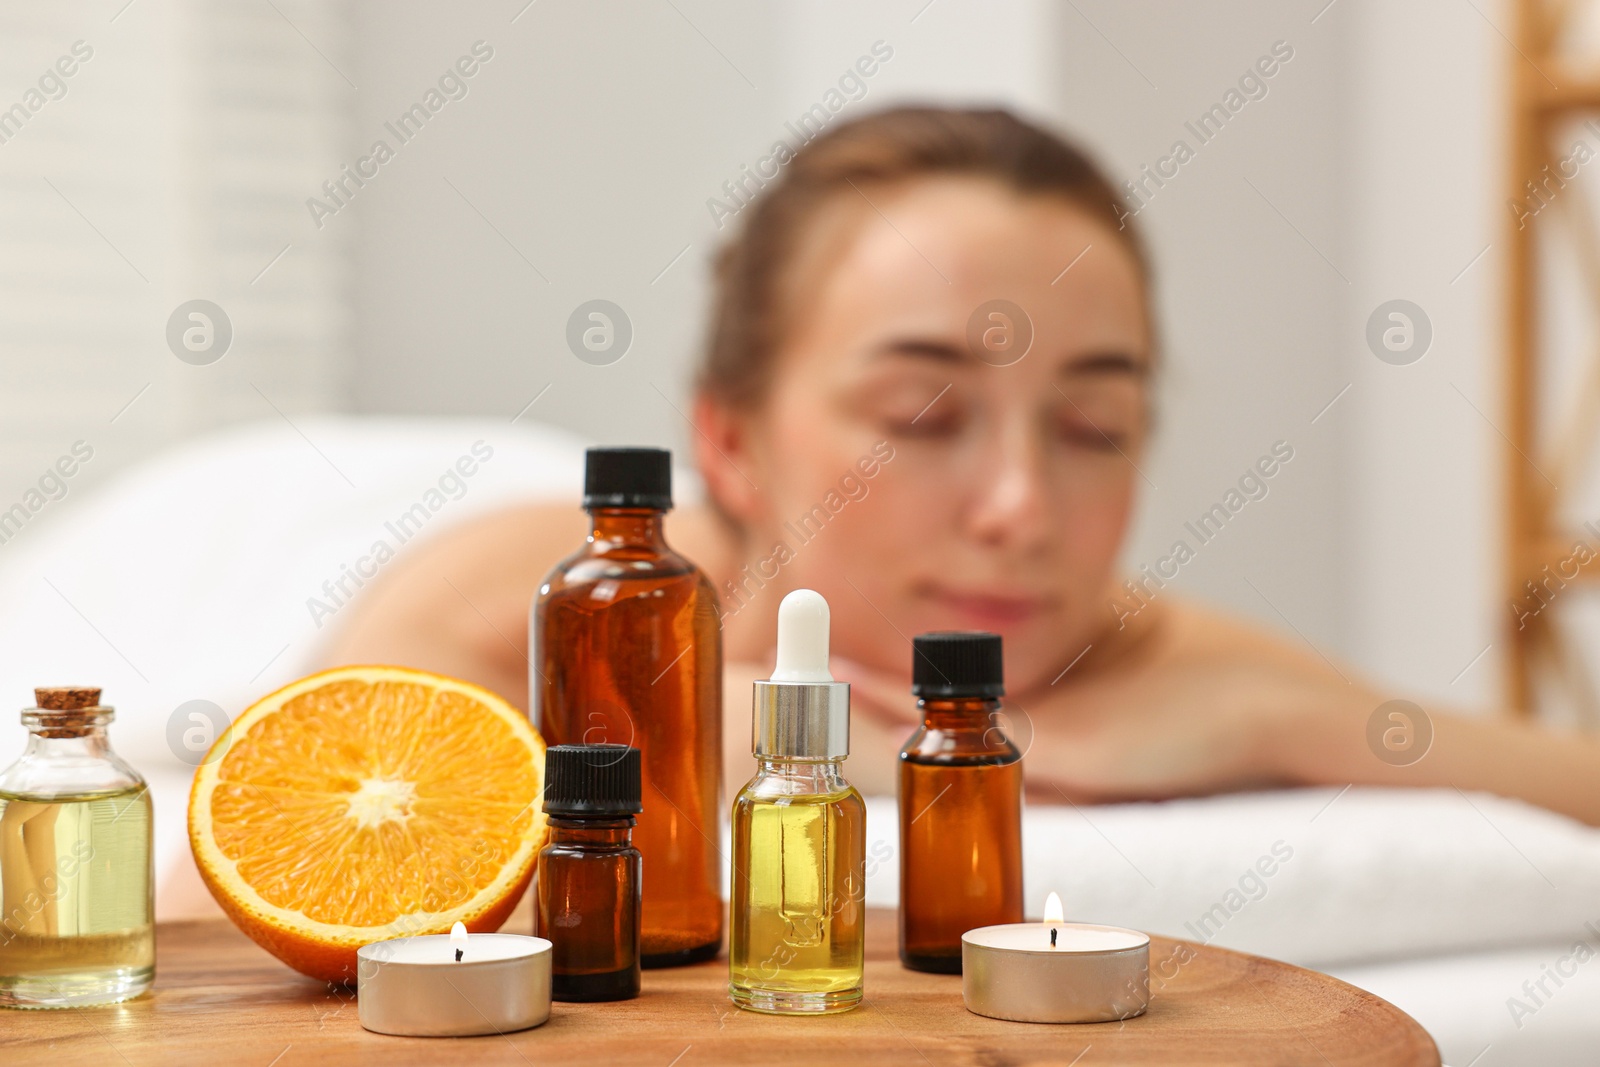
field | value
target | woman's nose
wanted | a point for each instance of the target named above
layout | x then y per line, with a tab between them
1009	500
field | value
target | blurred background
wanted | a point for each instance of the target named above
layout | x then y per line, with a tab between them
186	156
232	332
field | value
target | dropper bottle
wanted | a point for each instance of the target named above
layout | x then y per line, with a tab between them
799	836
960	802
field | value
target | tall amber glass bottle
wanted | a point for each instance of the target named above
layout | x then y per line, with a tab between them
960	803
627	651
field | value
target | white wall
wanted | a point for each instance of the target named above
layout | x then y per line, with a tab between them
1248	242
1425	171
173	167
581	162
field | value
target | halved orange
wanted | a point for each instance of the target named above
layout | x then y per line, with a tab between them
367	803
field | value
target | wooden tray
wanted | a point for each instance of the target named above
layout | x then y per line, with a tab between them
220	1000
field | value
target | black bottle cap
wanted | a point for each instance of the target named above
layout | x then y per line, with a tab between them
598	780
957	663
627	478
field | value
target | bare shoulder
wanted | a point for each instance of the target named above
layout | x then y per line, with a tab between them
517	545
1190	631
511	549
458	603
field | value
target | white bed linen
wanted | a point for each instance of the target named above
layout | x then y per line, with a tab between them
1371	874
1464	1002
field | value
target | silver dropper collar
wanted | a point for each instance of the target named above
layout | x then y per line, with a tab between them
801	720
801	713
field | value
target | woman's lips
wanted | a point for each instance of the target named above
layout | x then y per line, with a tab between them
988	611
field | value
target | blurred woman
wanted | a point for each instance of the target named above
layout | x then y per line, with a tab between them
926	393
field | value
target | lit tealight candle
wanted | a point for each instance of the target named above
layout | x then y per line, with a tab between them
453	985
1055	971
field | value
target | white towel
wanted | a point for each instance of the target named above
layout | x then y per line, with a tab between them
1356	875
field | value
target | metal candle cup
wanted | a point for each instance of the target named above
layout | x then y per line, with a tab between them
416	987
1094	974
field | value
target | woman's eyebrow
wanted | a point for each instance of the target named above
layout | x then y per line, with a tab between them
1109	362
936	350
924	348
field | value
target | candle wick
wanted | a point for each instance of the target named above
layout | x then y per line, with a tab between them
460	951
1052	940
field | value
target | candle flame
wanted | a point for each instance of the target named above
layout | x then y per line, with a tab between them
458	939
1053	912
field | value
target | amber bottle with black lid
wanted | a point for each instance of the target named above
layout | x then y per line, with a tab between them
627	649
960	802
589	872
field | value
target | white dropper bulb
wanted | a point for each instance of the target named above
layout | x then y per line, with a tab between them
802	638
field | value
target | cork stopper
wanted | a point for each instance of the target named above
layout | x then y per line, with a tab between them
67	698
66	711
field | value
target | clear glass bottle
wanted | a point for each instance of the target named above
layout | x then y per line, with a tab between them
627	649
798	923
589	876
77	921
960	803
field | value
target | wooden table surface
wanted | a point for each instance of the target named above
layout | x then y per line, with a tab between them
220	1000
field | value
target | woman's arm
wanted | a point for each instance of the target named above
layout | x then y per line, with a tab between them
1199	704
1513	759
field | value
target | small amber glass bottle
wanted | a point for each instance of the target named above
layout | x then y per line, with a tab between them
627	649
589	872
960	803
76	902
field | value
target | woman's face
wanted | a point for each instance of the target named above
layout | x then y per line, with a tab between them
919	469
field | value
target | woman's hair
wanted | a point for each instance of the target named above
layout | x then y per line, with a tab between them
749	316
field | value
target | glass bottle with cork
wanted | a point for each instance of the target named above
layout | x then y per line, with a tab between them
627	649
588	907
960	802
77	923
798	927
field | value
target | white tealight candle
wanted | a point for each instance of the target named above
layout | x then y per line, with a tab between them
453	985
1055	971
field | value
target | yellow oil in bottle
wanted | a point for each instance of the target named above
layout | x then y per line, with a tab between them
797	915
76	918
